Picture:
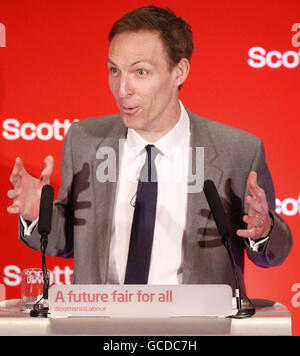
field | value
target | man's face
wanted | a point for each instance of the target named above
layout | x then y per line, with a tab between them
142	82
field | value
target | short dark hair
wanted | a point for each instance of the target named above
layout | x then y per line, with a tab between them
174	31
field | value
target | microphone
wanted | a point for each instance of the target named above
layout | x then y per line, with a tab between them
46	207
225	230
217	209
44	229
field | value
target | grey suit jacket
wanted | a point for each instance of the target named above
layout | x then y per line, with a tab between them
82	215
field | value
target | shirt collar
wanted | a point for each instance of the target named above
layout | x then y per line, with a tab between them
169	143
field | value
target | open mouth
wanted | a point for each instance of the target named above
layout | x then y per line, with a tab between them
129	110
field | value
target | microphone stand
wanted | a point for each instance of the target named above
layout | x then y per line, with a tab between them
242	312
39	310
225	230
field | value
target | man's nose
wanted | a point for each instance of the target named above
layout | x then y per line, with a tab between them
125	88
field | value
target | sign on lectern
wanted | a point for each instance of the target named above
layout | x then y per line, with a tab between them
140	300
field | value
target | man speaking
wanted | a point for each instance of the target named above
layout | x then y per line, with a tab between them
128	210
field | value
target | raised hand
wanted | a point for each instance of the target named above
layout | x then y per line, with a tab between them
258	219
27	190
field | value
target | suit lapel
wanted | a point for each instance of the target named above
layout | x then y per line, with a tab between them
107	161
198	212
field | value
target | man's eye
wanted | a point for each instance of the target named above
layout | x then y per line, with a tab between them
141	72
114	70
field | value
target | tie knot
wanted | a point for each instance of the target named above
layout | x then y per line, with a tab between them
148	172
152	152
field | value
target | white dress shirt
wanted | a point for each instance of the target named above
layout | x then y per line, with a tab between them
172	169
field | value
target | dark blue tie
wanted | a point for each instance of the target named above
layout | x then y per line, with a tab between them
142	230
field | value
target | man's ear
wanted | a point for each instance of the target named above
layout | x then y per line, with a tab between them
182	71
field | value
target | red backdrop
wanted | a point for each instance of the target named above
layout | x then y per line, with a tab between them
245	73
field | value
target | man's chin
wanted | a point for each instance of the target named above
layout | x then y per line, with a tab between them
132	121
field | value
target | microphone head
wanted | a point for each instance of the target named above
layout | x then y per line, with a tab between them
217	209
46	207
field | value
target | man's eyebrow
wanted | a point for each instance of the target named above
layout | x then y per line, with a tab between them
138	62
132	64
111	62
